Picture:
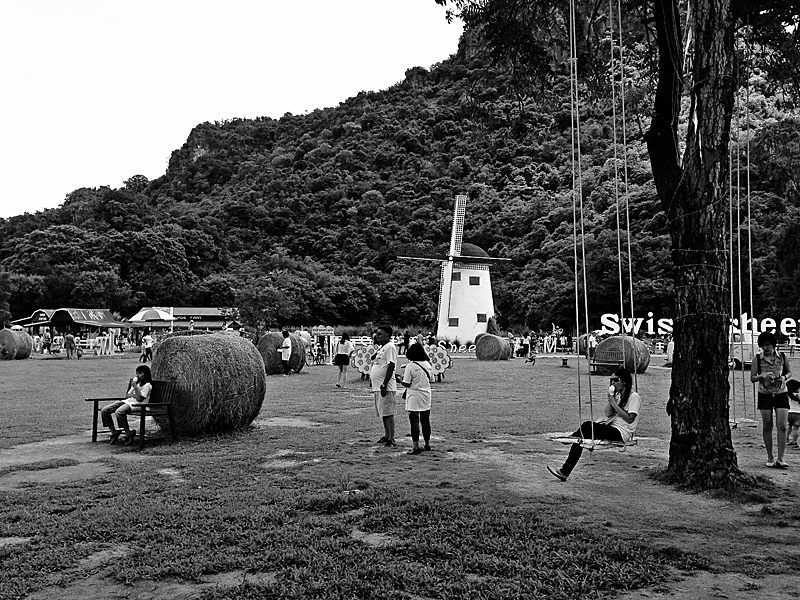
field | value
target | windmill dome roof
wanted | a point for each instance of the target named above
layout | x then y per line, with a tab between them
472	250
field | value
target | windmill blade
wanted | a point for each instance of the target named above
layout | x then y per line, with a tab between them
417	255
478	260
458	224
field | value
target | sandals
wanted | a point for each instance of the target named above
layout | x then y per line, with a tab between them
779	464
114	437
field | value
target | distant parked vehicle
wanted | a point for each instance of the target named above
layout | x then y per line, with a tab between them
742	348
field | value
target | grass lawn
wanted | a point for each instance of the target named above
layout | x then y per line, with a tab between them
304	504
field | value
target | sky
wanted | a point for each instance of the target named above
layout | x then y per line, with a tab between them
96	91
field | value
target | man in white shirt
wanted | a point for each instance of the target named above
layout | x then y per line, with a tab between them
592	344
286	353
384	386
147	346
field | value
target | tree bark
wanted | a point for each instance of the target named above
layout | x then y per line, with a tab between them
693	195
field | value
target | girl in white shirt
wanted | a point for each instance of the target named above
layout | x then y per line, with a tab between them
619	424
139	390
417	381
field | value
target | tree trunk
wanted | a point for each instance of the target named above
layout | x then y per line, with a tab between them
694	197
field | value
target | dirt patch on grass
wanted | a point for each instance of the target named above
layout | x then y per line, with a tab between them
286	422
97	587
489	446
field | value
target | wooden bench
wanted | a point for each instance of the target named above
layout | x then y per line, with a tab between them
160	404
608	362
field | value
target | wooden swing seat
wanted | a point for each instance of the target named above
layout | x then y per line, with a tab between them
590	445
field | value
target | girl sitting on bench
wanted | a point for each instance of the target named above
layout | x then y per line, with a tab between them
138	391
619	424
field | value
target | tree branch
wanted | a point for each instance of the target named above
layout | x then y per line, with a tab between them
662	138
741	8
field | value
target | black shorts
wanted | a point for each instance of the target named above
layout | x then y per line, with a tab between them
772	401
343	360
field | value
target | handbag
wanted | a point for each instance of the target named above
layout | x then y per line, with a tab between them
424	370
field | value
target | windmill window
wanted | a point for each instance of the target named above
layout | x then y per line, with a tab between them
452	322
456	276
474	280
481	317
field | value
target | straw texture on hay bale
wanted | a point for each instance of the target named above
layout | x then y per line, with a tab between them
492	347
479	336
220	382
15	344
269	347
636	354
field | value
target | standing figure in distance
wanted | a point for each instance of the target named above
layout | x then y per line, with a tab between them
147	346
344	350
286	353
69	344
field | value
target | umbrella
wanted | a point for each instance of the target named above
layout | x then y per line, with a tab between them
151	314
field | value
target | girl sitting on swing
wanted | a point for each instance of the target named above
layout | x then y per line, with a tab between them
619	424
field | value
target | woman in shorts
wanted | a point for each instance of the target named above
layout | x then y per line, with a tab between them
344	350
770	369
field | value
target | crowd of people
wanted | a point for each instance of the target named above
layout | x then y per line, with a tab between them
778	393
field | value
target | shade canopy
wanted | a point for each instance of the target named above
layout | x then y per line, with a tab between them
148	315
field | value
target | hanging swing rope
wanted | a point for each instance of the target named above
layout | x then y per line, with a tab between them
749	221
579	222
577	200
731	341
616	176
625	186
740	344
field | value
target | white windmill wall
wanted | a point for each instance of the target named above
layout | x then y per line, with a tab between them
467	302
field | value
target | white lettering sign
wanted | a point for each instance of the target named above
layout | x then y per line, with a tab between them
613	325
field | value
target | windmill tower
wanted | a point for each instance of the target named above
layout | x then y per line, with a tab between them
465	289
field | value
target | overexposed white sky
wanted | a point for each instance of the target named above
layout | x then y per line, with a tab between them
95	91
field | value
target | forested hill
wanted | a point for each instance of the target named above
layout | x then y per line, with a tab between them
298	220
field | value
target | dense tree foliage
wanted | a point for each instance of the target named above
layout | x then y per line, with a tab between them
299	219
700	71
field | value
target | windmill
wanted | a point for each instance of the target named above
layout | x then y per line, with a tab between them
465	289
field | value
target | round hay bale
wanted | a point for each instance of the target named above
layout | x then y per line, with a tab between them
479	336
269	347
219	379
492	347
632	352
15	344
